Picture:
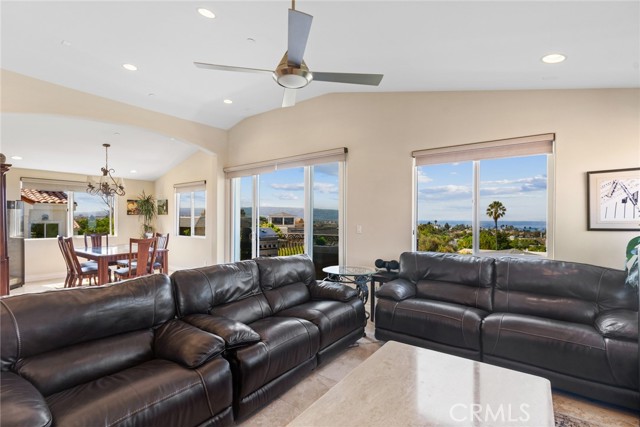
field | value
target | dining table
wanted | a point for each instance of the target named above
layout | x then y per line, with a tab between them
104	255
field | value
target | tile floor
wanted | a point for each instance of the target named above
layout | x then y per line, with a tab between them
578	411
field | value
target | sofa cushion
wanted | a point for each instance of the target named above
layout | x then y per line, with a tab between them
566	291
234	334
458	279
621	324
185	344
571	348
285	343
334	319
397	290
326	290
442	322
68	367
285	280
230	290
22	403
158	393
59	319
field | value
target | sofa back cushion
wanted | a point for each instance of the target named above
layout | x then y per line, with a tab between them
560	290
34	324
285	280
230	290
460	279
67	367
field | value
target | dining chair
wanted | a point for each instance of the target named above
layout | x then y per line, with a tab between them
81	271
96	239
163	243
141	261
67	261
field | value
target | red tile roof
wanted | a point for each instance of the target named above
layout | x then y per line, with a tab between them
32	196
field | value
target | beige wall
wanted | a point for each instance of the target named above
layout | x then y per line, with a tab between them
189	252
42	258
595	130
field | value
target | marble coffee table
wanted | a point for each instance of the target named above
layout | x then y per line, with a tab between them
411	386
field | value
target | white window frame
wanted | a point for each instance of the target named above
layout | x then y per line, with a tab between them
69	187
255	169
190	188
476	152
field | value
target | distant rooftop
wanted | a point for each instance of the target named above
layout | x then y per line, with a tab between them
32	196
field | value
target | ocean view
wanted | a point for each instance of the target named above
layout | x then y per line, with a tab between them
520	225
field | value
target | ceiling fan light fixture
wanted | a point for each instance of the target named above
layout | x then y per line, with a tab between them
293	78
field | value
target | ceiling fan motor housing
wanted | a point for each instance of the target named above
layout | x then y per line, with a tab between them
291	77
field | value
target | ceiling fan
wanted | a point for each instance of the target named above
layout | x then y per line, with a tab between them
292	73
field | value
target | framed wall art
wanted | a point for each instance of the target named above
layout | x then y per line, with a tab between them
613	199
132	207
163	206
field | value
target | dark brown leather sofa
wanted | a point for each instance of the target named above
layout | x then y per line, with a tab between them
109	355
574	324
277	321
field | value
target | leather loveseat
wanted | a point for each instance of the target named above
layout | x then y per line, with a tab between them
109	355
574	324
277	321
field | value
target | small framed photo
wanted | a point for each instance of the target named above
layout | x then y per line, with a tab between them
613	199
132	207
163	207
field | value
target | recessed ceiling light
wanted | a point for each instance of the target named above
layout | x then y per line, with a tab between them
129	67
133	171
206	13
228	101
16	157
553	58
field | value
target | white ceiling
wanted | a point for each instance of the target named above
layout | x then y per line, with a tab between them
417	45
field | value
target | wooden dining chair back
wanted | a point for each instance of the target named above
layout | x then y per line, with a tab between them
142	256
68	280
96	239
80	271
163	243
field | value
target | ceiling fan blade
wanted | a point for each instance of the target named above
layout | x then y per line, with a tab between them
230	68
358	79
289	98
299	27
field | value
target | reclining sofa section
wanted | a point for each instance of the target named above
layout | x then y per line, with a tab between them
574	324
278	323
109	355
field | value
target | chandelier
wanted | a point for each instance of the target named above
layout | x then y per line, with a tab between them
106	187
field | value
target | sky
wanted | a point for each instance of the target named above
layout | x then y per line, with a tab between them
285	188
445	191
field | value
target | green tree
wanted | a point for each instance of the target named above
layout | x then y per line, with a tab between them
495	211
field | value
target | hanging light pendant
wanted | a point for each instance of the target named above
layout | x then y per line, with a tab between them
106	187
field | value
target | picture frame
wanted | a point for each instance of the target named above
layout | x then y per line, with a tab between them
612	197
132	207
163	206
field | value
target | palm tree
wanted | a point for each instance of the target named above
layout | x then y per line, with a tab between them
496	210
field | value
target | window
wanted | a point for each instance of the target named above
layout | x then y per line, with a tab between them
191	203
47	213
486	198
295	204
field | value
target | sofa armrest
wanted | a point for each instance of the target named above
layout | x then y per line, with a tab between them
336	291
234	333
22	403
397	290
185	344
622	324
